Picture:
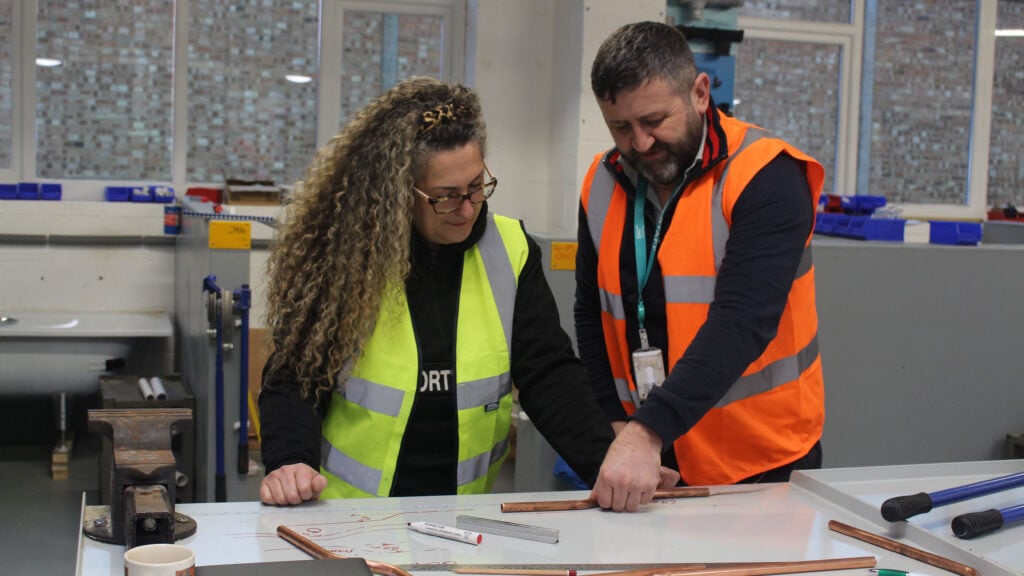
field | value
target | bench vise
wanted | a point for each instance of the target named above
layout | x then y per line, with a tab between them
142	482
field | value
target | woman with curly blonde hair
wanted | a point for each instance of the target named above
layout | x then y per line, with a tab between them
402	311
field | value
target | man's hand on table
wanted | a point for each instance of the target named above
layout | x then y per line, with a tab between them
632	470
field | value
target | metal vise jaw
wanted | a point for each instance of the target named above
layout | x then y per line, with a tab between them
142	482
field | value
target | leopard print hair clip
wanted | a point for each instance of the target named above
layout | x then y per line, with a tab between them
442	114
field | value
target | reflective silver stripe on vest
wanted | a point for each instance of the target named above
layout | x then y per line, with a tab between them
477	466
372	396
612	304
689	289
601	188
485	391
806	262
701	289
499	274
773	375
351	471
719	228
625	394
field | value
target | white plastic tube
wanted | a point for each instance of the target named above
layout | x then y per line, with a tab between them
158	388
146	389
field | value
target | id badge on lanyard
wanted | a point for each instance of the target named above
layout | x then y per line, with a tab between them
648	365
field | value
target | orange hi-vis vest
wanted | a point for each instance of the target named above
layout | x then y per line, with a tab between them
774	413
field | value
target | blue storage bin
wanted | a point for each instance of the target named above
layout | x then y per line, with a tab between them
842	224
8	191
884	229
866	205
955	233
162	194
825	223
118	193
50	191
28	191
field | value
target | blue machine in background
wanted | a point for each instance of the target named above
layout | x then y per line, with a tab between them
711	28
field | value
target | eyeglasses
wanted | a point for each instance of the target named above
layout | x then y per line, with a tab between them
450	203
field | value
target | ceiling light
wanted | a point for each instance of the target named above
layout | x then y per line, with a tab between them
47	62
298	78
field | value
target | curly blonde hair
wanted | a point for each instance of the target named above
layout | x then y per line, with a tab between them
345	242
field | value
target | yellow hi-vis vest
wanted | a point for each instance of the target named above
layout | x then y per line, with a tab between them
775	412
369	411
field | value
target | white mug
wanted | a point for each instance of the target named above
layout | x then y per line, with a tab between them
160	560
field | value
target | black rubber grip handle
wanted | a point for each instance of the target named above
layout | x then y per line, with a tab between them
903	507
243	458
977	523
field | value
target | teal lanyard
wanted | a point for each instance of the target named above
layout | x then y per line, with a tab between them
645	261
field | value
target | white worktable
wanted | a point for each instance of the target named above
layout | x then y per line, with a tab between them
769	522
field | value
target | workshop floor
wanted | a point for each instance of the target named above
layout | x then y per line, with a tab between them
39	529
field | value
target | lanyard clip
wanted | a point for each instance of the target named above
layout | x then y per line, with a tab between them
644	343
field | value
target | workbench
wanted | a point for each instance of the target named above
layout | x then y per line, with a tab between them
743	523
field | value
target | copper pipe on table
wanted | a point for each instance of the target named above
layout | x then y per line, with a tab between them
904	549
573	572
514	572
766	568
320	553
557	505
700	569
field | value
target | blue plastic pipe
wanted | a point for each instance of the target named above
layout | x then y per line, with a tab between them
977	523
903	507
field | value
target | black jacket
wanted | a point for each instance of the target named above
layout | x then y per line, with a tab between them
552	384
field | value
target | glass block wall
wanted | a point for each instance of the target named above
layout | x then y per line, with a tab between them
245	119
921	100
1005	166
6	85
379	49
792	90
837	11
105	111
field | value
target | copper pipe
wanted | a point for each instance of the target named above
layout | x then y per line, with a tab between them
698	569
570	571
320	553
904	549
557	505
783	567
514	572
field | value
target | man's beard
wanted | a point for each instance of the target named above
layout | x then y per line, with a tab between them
680	155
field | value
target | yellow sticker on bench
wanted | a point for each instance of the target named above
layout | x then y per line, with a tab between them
230	235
